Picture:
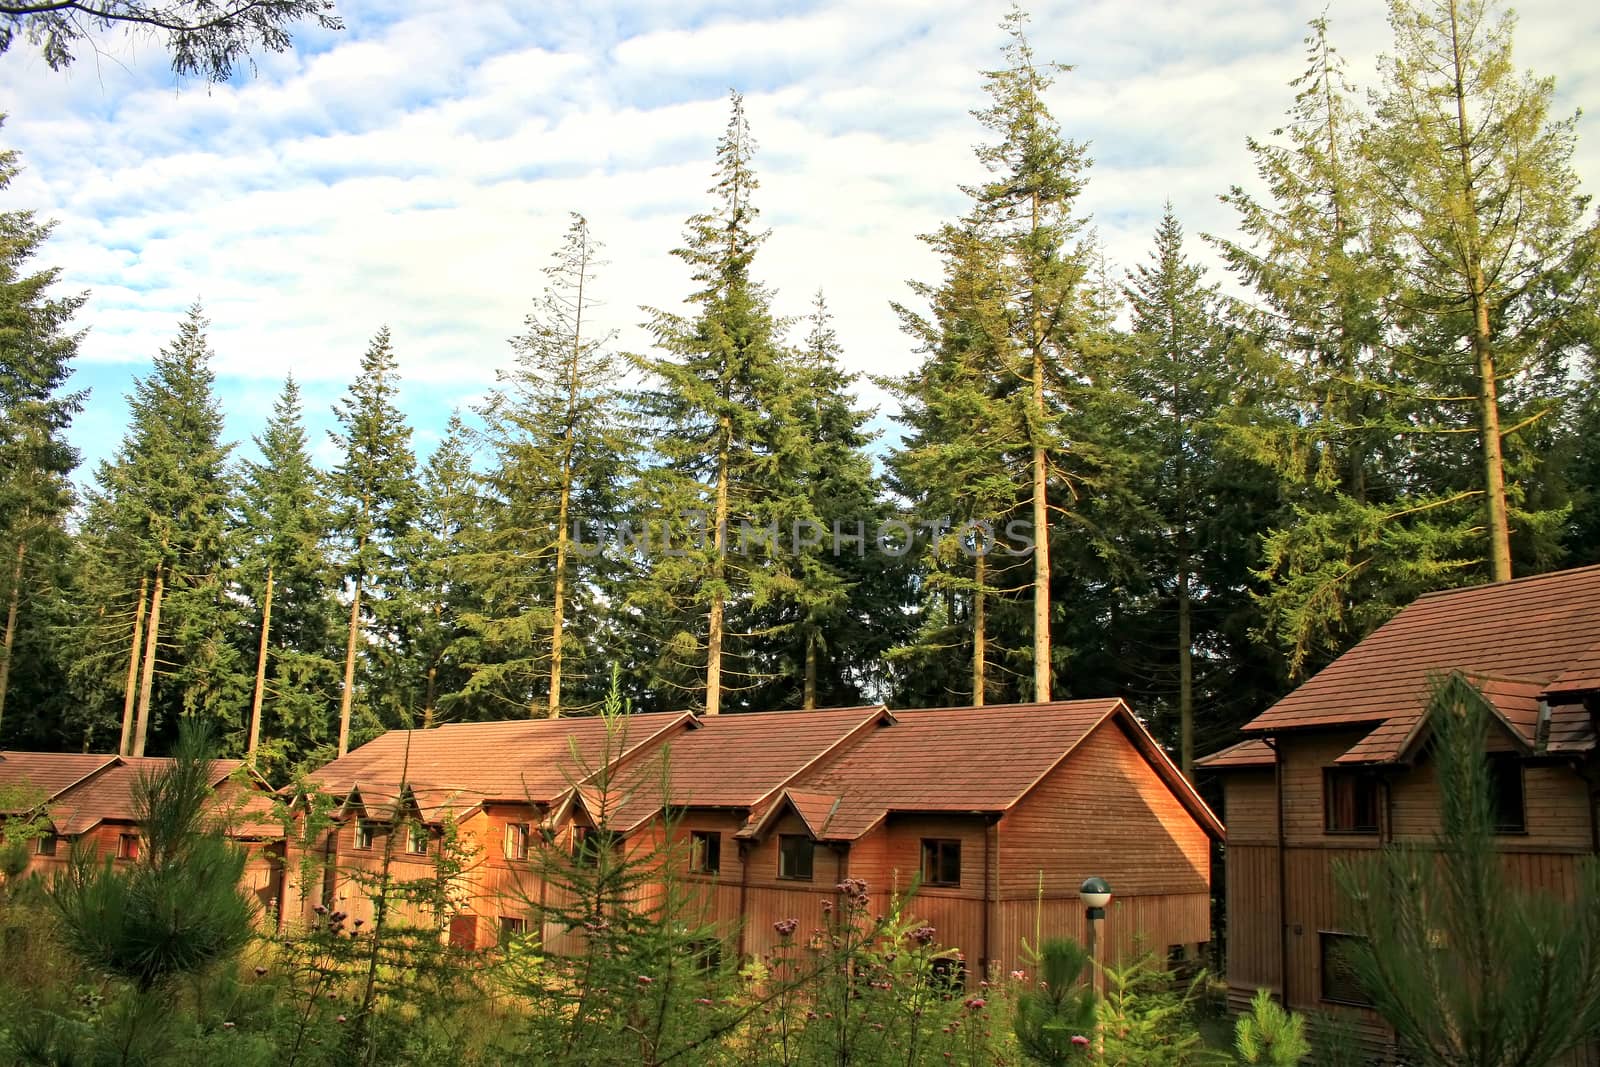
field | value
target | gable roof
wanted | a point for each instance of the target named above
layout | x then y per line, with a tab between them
970	760
109	795
1252	752
1525	642
738	761
50	773
528	760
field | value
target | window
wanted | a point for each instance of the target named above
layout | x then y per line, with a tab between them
516	840
46	845
1339	985
707	955
363	835
705	851
417	840
1350	801
941	862
949	974
512	926
586	845
795	853
127	846
1505	793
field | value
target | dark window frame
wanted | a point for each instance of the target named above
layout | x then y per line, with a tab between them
363	836
46	844
786	842
416	833
1497	764
1354	997
937	854
1363	785
705	851
129	846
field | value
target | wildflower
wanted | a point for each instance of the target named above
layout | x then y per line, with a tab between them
645	979
976	1003
318	909
1080	1041
227	1026
358	922
827	907
332	995
811	1015
702	1000
786	927
922	935
827	1015
342	1019
260	970
1019	976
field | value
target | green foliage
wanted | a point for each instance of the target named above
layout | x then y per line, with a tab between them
1062	1008
1145	1020
1271	1035
1465	964
178	908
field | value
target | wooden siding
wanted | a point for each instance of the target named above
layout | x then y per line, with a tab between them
1250	808
1555	804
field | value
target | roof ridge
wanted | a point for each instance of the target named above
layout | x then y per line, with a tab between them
1524	580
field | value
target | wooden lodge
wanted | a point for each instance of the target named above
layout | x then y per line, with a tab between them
998	814
1339	768
86	804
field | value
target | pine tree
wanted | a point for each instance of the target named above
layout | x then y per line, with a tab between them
36	352
558	430
1186	369
286	577
1488	225
376	493
160	510
439	591
1340	418
1026	211
725	433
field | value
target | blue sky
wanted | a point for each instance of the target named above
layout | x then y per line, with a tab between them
417	168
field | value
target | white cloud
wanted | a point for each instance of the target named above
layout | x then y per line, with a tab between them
418	170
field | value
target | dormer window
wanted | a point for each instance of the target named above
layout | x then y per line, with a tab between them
796	853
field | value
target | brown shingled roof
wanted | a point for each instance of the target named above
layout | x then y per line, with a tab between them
1250	753
968	760
108	795
1582	675
50	773
736	761
523	759
1533	630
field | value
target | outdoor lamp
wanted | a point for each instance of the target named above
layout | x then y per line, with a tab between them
1095	894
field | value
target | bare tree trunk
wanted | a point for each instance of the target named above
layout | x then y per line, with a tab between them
1494	473
130	696
559	607
1042	668
979	642
718	595
261	667
9	641
810	699
1185	662
347	697
152	634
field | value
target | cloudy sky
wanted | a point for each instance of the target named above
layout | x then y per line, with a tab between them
417	168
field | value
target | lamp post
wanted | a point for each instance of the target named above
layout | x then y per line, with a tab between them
1095	894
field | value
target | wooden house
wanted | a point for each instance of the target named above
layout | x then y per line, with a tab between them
86	803
997	814
1339	768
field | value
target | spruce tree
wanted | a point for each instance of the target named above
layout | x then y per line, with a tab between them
375	495
724	429
559	434
159	511
1488	224
1186	369
37	347
286	577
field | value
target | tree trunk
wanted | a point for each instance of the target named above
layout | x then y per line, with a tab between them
979	652
810	699
348	696
130	696
1494	474
430	693
559	607
9	641
152	633
261	668
1042	668
1185	665
718	595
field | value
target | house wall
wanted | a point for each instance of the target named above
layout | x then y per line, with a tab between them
1103	811
1559	833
